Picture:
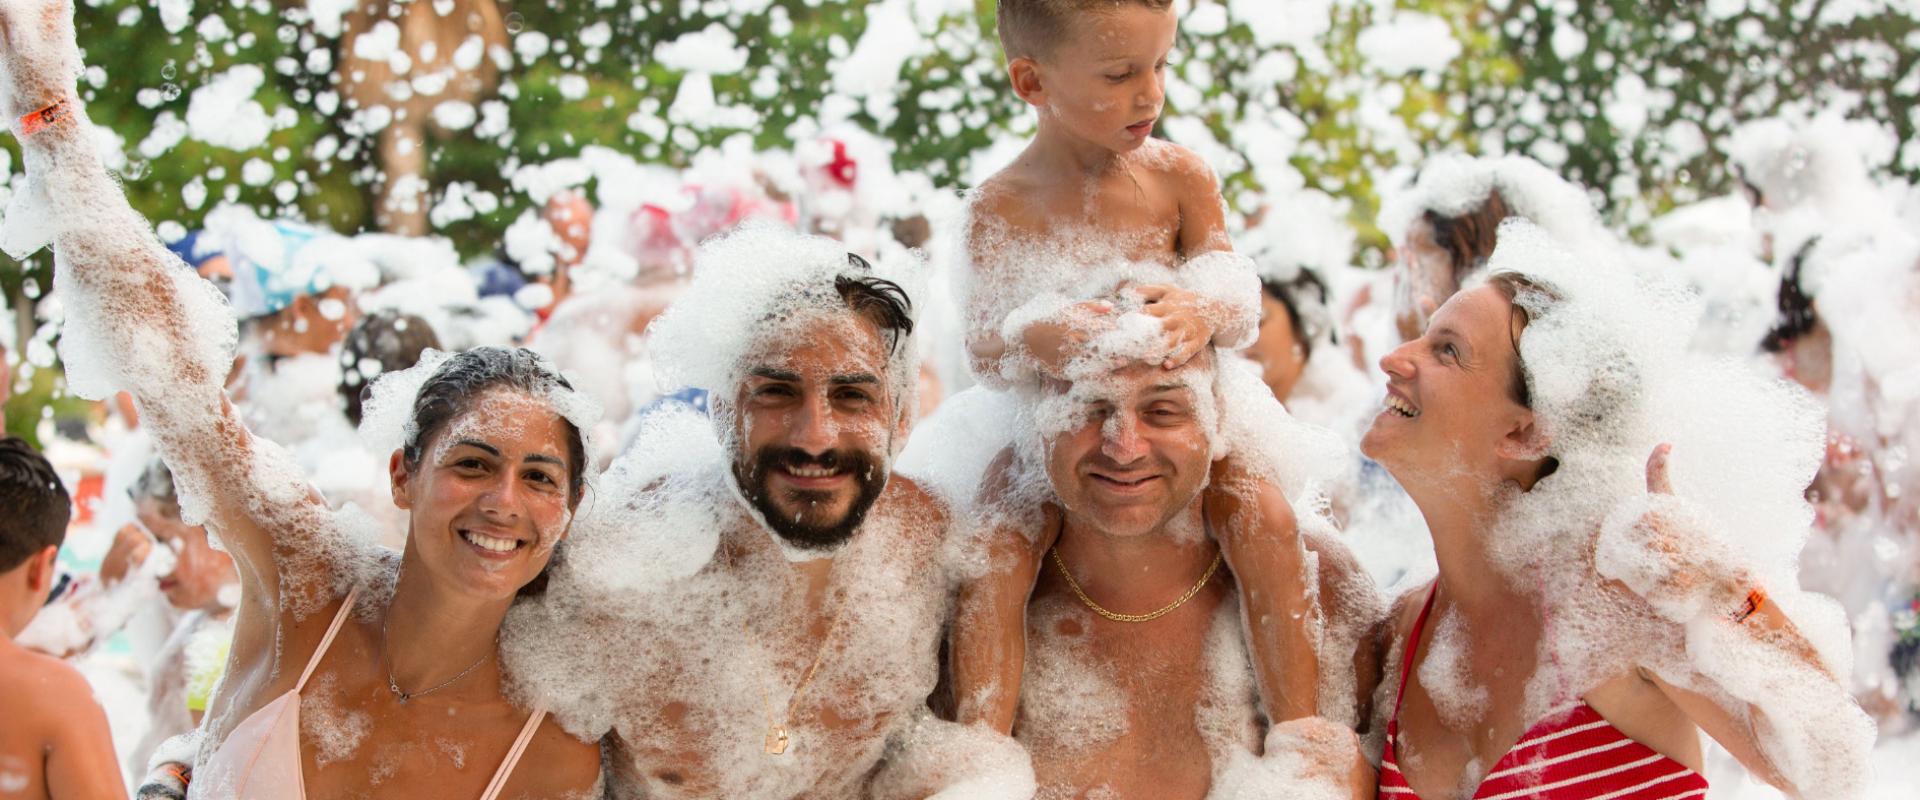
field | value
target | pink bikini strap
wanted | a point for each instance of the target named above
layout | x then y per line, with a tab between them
1413	647
339	619
499	783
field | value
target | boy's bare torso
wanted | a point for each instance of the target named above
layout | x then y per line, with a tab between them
1148	205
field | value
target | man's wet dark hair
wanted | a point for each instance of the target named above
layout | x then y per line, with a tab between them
36	503
1289	294
393	340
1797	316
881	301
460	382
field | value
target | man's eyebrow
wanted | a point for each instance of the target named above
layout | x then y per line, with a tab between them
775	374
856	378
475	443
1167	387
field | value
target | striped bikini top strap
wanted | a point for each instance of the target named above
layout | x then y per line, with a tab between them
499	783
340	618
1413	648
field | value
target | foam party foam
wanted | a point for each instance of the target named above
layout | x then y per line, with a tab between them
674	554
1454	185
1611	377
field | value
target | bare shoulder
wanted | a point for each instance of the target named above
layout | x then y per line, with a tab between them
1181	164
1404	612
556	765
920	511
42	682
47	699
1005	202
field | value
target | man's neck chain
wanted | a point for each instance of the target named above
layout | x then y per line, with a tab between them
1148	617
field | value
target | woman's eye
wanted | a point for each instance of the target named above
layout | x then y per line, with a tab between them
469	463
540	477
1449	351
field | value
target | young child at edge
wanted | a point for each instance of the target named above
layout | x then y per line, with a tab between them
1094	71
54	741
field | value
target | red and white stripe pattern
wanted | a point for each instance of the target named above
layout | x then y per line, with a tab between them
1572	754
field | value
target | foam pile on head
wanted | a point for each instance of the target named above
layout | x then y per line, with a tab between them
1609	376
1455	186
762	285
1794	160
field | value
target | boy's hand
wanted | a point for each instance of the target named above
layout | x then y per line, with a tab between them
1184	316
39	61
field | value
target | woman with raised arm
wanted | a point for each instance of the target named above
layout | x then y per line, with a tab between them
354	671
1588	622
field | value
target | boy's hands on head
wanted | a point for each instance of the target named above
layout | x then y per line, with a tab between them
1184	315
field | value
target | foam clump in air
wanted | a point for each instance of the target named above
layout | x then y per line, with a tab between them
1455	185
1611	377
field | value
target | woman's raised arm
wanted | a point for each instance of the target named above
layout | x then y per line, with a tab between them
137	320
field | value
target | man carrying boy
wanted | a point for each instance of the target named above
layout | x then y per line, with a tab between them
1095	204
54	741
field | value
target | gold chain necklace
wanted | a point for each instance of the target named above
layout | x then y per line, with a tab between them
778	736
1075	586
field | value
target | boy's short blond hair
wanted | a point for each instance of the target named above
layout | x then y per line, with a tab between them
1031	28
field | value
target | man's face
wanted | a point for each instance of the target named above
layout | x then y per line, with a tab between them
816	426
1137	451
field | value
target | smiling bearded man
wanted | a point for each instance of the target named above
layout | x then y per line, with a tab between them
762	601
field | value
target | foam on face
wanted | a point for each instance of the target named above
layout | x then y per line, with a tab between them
1611	377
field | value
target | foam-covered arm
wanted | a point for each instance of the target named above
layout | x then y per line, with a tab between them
1231	291
136	319
1260	540
1038	338
989	638
939	760
1750	677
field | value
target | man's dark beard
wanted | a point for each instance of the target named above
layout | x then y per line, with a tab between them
809	532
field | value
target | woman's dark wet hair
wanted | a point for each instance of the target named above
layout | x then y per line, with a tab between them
1797	316
393	340
460	381
1470	237
1304	286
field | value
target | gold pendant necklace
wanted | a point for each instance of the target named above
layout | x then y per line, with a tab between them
778	736
1071	584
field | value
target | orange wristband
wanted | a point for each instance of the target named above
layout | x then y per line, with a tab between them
1756	598
37	121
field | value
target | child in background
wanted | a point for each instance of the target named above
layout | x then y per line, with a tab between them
54	741
1096	207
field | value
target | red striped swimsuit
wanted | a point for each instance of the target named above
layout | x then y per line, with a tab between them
1572	754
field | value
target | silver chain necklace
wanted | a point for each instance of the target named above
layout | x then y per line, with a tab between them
394	687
